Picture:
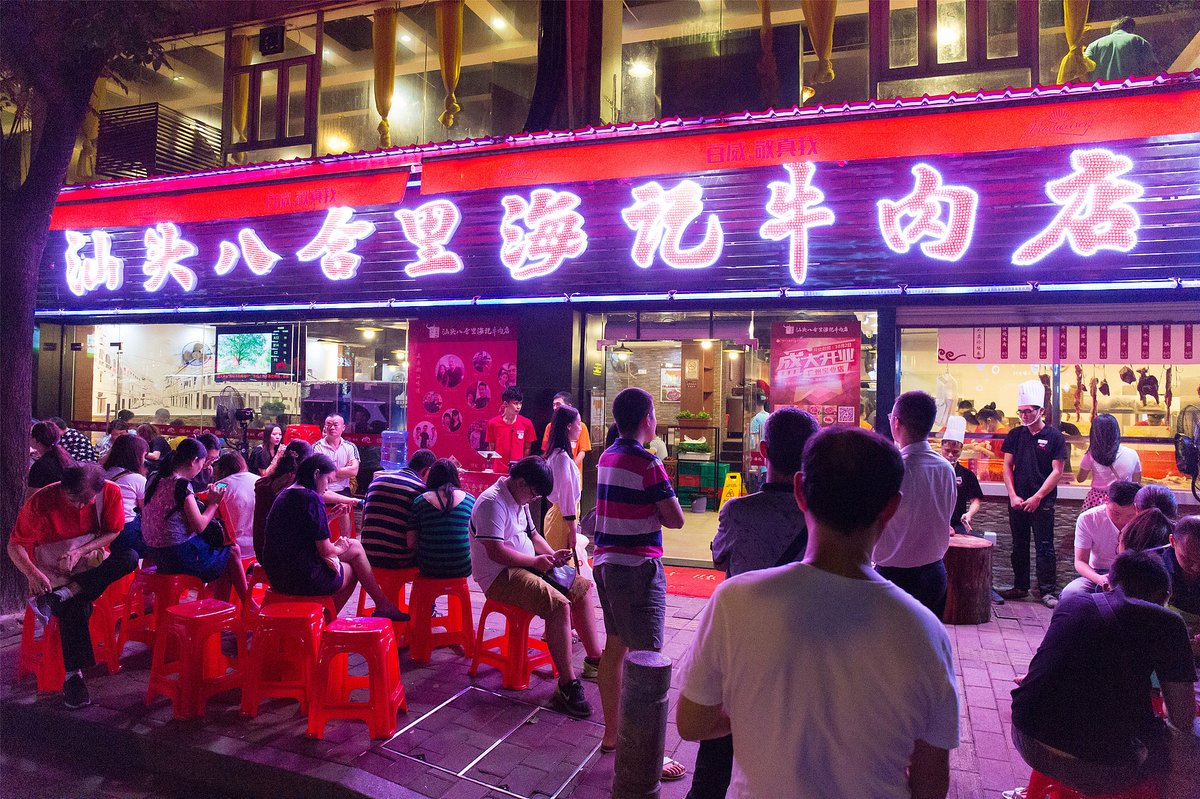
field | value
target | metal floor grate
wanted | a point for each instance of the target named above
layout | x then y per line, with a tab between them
513	747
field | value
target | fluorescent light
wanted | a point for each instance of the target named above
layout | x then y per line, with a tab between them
334	142
499	23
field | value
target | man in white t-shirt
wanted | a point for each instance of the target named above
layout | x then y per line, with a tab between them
832	680
344	454
508	555
1096	533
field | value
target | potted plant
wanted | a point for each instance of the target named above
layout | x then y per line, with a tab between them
694	420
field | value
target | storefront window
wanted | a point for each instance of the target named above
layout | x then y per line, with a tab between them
1122	370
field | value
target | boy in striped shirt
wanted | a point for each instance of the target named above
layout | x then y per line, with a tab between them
634	501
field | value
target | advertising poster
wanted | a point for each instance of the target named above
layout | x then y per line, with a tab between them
457	371
815	367
671	385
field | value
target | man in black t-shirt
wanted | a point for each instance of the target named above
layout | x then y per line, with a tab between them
1083	715
1034	456
1183	561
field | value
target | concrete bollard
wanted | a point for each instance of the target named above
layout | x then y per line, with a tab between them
643	733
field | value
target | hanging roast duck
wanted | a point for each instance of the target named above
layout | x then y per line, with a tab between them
1147	385
1126	375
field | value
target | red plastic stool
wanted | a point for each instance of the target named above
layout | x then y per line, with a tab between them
393	583
117	593
456	624
165	590
1043	787
188	665
283	654
273	597
509	651
375	641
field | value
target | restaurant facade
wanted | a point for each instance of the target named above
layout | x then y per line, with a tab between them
828	258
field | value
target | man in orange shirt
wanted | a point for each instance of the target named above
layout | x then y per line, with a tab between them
59	543
510	434
581	446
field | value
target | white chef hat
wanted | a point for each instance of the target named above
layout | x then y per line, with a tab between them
1031	392
956	429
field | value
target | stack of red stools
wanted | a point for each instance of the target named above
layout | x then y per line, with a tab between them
374	640
510	651
1043	787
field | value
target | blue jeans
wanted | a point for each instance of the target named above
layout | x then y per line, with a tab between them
130	538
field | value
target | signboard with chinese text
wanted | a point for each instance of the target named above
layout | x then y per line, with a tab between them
1118	344
815	367
797	213
458	369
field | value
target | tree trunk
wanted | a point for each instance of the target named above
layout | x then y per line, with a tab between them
26	213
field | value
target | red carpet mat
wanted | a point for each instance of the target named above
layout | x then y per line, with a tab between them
684	581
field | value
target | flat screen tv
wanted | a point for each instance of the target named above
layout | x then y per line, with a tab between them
258	352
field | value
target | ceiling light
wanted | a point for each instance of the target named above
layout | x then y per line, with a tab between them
733	354
405	38
499	23
622	352
369	332
640	69
327	52
706	344
176	78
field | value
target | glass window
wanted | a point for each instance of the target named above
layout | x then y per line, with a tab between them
951	31
941	361
1001	28
944	84
268	102
902	33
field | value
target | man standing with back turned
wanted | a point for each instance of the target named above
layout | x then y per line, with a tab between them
913	543
832	680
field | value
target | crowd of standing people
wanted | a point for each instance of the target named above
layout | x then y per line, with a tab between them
835	568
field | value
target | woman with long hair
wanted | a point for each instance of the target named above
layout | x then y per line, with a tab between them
125	465
1107	460
266	489
439	528
264	459
562	518
299	556
231	474
52	460
173	524
158	445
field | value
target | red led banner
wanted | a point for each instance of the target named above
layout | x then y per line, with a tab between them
963	131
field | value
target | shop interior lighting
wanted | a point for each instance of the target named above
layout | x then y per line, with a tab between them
499	23
622	352
405	38
640	69
369	332
335	143
706	343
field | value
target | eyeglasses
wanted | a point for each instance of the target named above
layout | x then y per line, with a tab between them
1028	411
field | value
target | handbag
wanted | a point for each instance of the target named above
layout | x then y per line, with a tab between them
49	557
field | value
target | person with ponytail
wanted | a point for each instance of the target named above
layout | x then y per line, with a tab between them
173	524
439	529
52	459
297	552
1107	460
125	465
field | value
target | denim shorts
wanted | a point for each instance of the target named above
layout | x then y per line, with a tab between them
194	557
634	600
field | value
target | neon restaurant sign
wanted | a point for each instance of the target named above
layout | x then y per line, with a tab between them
806	223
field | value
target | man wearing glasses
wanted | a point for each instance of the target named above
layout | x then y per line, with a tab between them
1034	456
508	555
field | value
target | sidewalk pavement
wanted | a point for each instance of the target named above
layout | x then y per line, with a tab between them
462	737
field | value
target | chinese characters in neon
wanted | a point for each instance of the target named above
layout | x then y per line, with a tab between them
541	231
335	242
918	215
659	218
551	232
429	227
101	269
1096	214
794	207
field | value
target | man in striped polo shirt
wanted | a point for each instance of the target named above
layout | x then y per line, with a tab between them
634	501
388	509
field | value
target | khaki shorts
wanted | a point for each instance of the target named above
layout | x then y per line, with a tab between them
527	591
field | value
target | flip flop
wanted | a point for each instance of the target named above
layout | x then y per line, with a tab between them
672	770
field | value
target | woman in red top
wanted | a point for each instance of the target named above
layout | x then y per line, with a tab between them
61	531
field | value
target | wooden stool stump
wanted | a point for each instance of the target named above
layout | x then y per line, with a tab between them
969	580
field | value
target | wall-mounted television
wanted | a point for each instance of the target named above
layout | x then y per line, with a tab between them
256	352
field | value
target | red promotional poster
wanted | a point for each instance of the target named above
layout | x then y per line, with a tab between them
457	370
815	367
